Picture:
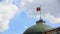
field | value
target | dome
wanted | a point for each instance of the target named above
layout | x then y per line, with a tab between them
39	27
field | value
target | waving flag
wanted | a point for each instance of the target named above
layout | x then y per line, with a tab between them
38	9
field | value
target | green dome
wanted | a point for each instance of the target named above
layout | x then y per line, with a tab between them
38	28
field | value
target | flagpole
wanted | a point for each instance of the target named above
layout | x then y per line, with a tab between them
40	12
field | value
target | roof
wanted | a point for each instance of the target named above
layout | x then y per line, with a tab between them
38	28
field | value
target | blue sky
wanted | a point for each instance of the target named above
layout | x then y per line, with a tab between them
18	23
21	22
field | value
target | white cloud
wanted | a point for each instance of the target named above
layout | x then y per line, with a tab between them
7	12
52	19
51	7
4	26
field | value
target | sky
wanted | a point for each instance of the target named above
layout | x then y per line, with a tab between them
27	16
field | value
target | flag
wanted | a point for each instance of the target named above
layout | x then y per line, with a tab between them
38	9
